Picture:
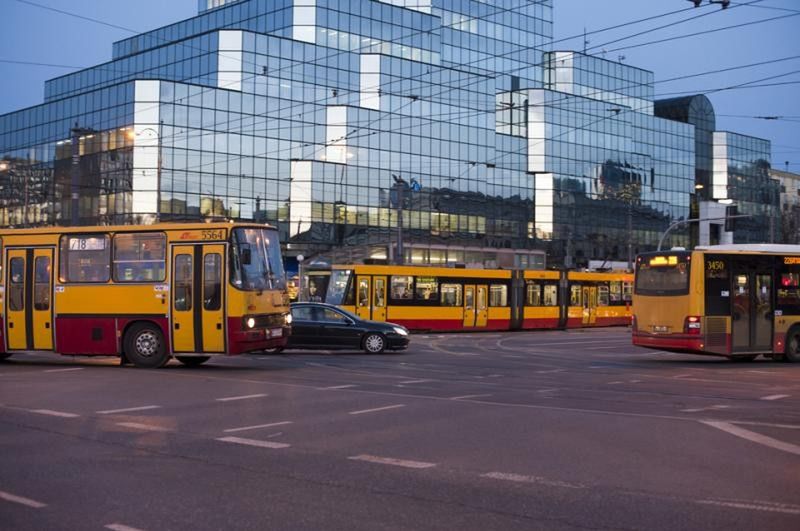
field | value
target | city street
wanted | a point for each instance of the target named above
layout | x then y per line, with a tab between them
539	430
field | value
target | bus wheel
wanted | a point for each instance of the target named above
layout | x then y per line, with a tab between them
792	353
144	346
193	361
4	356
374	343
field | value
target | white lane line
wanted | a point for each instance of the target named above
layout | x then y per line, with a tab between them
244	397
55	413
126	410
140	426
774	397
254	442
755	506
550	371
465	397
405	463
767	424
518	478
65	370
615	383
709	408
121	527
753	437
258	426
340	386
361	412
20	500
415	381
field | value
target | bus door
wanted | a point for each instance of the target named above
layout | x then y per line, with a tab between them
29	299
198	306
379	299
752	313
363	309
482	307
469	306
589	305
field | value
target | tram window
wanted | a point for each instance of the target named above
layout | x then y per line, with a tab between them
533	294
16	285
427	289
498	295
550	295
402	288
140	257
85	258
615	292
212	282
627	291
575	295
602	295
41	283
362	298
451	294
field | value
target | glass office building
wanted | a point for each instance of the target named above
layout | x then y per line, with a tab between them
308	113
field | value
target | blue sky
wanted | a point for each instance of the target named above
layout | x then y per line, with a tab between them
32	34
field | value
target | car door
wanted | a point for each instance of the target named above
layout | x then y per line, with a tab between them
305	329
338	330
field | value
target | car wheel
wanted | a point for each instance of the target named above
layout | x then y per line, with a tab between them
144	346
193	361
374	343
275	350
792	353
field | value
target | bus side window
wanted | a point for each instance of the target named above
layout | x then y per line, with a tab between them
16	285
183	282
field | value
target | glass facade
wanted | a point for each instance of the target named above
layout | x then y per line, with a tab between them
328	118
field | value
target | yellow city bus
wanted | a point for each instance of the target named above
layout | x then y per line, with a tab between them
144	293
454	299
739	301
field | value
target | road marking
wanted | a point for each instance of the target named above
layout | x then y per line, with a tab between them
126	410
22	501
245	397
514	356
376	409
55	413
774	397
341	386
232	430
391	461
550	371
753	437
615	383
518	478
415	381
65	370
767	424
600	348
755	506
548	390
140	426
709	408
464	397
254	442
121	527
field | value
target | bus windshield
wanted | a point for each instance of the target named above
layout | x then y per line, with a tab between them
256	262
664	274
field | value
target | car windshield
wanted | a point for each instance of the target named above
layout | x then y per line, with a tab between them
256	262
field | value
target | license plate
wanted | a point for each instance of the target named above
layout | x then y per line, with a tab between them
661	329
276	332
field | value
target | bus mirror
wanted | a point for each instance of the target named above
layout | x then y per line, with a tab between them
246	254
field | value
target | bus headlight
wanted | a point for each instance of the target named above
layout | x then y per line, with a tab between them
400	331
251	323
288	318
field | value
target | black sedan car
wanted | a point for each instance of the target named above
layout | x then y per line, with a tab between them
319	325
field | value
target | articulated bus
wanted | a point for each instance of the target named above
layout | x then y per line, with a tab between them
145	293
452	299
738	301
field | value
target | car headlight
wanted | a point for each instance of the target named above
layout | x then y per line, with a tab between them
288	318
400	331
251	323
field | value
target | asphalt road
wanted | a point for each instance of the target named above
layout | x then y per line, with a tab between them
543	430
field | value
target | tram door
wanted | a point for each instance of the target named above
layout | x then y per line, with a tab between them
379	299
29	296
469	306
752	314
589	305
198	305
362	297
482	306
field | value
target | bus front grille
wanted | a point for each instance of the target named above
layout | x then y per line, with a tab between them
716	332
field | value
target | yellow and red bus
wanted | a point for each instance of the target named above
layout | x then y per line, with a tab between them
144	293
453	299
738	301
